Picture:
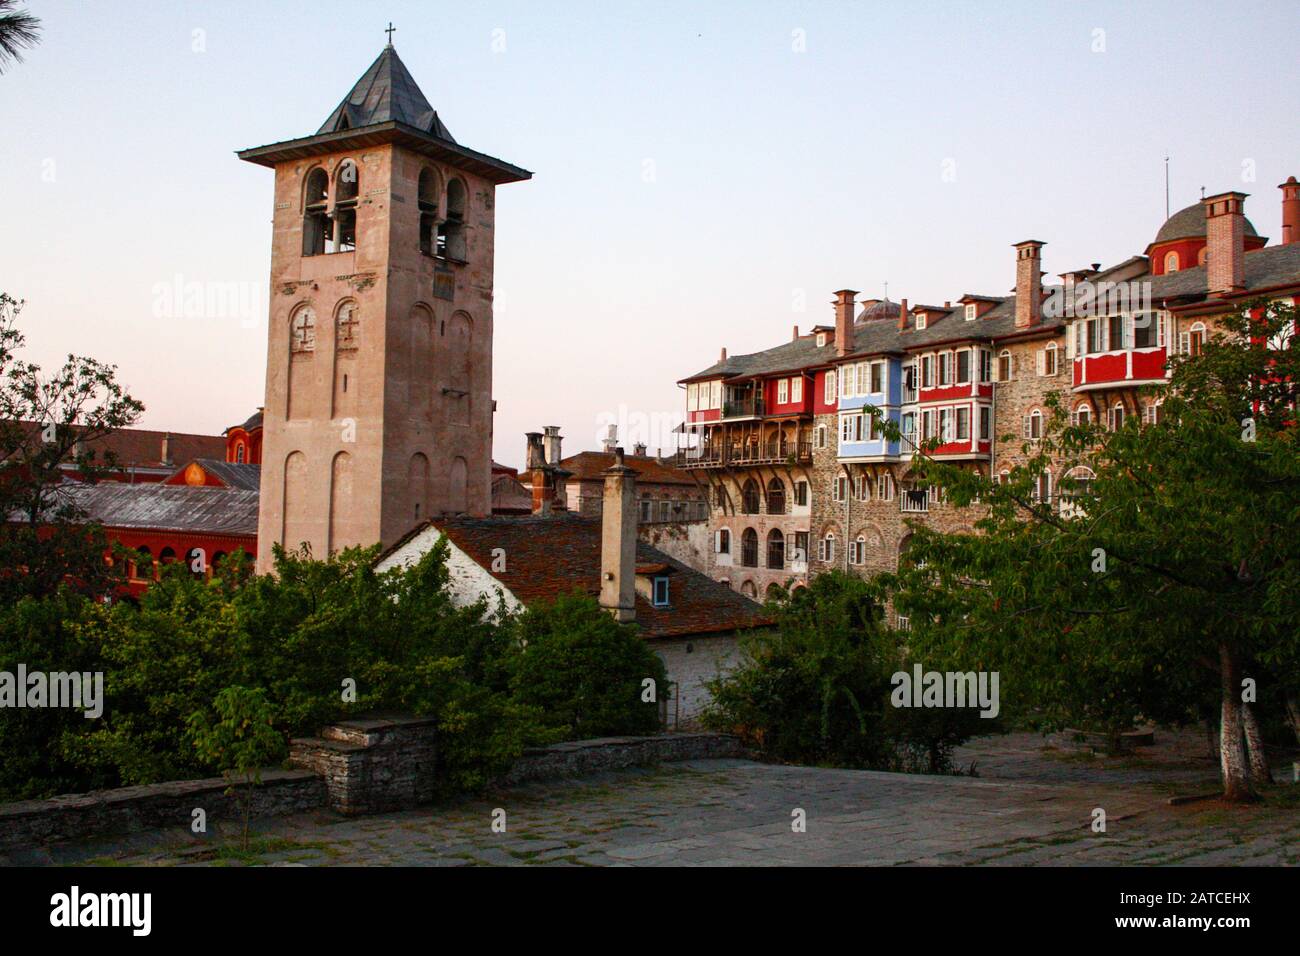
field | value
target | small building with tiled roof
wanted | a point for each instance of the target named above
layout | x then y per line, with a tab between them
692	621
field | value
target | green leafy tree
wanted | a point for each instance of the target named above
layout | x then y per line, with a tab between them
240	738
1170	577
585	672
47	423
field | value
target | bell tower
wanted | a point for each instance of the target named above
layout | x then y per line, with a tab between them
378	410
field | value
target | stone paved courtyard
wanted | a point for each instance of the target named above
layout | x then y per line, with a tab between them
1030	805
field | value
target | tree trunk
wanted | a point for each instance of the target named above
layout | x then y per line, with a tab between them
1258	759
1293	713
1232	751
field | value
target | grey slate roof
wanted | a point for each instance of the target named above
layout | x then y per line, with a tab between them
234	474
1264	268
116	504
386	93
1189	223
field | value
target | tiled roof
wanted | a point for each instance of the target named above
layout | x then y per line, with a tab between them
252	423
230	473
203	510
142	448
508	495
386	93
1264	268
549	556
591	465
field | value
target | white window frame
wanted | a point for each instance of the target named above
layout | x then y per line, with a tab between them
971	311
796	389
829	381
783	391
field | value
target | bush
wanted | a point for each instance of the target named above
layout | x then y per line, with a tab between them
816	688
585	672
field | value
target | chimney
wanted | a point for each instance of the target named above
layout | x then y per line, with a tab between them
902	315
610	441
167	448
723	356
1225	234
551	443
534	457
618	541
639	449
796	334
543	496
844	321
1290	211
1029	283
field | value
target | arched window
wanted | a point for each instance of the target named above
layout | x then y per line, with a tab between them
776	497
1171	262
858	550
166	556
427	199
749	497
1082	414
1042	492
346	188
775	549
826	547
142	567
747	588
1034	425
1075	490
749	548
239	453
1196	339
1117	417
452	243
904	545
1004	366
317	227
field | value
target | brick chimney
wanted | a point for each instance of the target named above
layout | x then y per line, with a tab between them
1029	283
639	449
618	541
1290	211
1225	234
844	321
551	443
902	315
167	449
534	456
796	334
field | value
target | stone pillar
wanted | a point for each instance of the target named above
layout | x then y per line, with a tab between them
618	541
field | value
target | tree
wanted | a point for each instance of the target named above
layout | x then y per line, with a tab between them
1172	577
48	423
240	740
19	30
585	672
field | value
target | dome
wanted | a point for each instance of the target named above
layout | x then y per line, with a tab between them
878	309
1189	223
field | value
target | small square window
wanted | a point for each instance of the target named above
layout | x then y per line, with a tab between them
970	312
661	592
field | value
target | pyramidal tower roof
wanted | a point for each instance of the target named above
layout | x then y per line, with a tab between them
386	93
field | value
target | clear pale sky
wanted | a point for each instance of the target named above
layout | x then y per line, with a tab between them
707	174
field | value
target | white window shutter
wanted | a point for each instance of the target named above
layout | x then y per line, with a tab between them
1069	343
1184	343
1026	425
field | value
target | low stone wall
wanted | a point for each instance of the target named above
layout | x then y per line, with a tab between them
355	767
156	806
373	764
576	758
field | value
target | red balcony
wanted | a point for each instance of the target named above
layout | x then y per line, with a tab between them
1125	367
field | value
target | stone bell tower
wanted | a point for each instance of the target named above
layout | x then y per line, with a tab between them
379	351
